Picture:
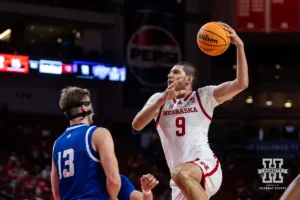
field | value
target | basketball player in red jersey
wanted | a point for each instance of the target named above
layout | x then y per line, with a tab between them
293	191
182	120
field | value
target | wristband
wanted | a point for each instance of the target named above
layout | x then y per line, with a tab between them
146	192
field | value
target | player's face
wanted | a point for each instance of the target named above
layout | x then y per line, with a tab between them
175	74
87	108
90	117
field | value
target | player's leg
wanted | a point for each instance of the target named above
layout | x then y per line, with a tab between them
293	191
187	177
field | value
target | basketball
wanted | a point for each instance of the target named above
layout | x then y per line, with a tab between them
212	39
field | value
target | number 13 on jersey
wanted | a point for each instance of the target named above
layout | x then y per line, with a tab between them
180	125
69	162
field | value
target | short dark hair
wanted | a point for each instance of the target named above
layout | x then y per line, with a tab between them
190	70
72	95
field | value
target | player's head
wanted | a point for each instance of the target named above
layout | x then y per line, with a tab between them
76	104
184	70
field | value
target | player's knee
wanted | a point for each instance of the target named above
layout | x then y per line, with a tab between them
297	179
180	175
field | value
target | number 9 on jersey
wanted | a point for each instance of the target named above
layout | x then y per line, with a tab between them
180	125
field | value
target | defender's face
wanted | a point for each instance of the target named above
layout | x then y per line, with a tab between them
90	117
87	108
176	74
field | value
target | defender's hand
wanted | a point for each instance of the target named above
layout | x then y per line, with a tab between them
148	182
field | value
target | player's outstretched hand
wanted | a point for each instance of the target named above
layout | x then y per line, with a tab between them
148	182
234	38
171	93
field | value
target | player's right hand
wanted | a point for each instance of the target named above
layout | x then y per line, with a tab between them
171	93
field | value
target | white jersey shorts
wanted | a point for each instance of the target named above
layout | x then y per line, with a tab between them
211	178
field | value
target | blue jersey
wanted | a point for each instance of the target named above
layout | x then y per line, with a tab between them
79	171
126	189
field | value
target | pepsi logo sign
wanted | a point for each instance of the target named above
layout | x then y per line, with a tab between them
149	50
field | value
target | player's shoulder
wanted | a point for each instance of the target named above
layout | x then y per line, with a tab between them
126	184
206	89
124	178
60	138
157	95
79	129
154	98
59	142
101	135
101	129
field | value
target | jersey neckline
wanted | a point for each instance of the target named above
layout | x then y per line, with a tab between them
76	125
184	98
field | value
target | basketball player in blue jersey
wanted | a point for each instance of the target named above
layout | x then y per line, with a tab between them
128	191
84	164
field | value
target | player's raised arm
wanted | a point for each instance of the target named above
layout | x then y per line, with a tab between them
54	182
104	144
153	105
227	90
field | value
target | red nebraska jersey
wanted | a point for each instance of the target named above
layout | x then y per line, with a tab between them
183	126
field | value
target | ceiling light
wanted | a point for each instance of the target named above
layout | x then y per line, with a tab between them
5	34
288	104
269	103
277	66
249	100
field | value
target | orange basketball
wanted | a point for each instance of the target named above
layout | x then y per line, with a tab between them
212	39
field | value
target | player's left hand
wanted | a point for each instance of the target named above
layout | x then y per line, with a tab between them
234	38
148	182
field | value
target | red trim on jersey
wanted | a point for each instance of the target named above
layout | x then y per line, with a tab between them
201	106
186	98
159	113
210	173
205	175
194	160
